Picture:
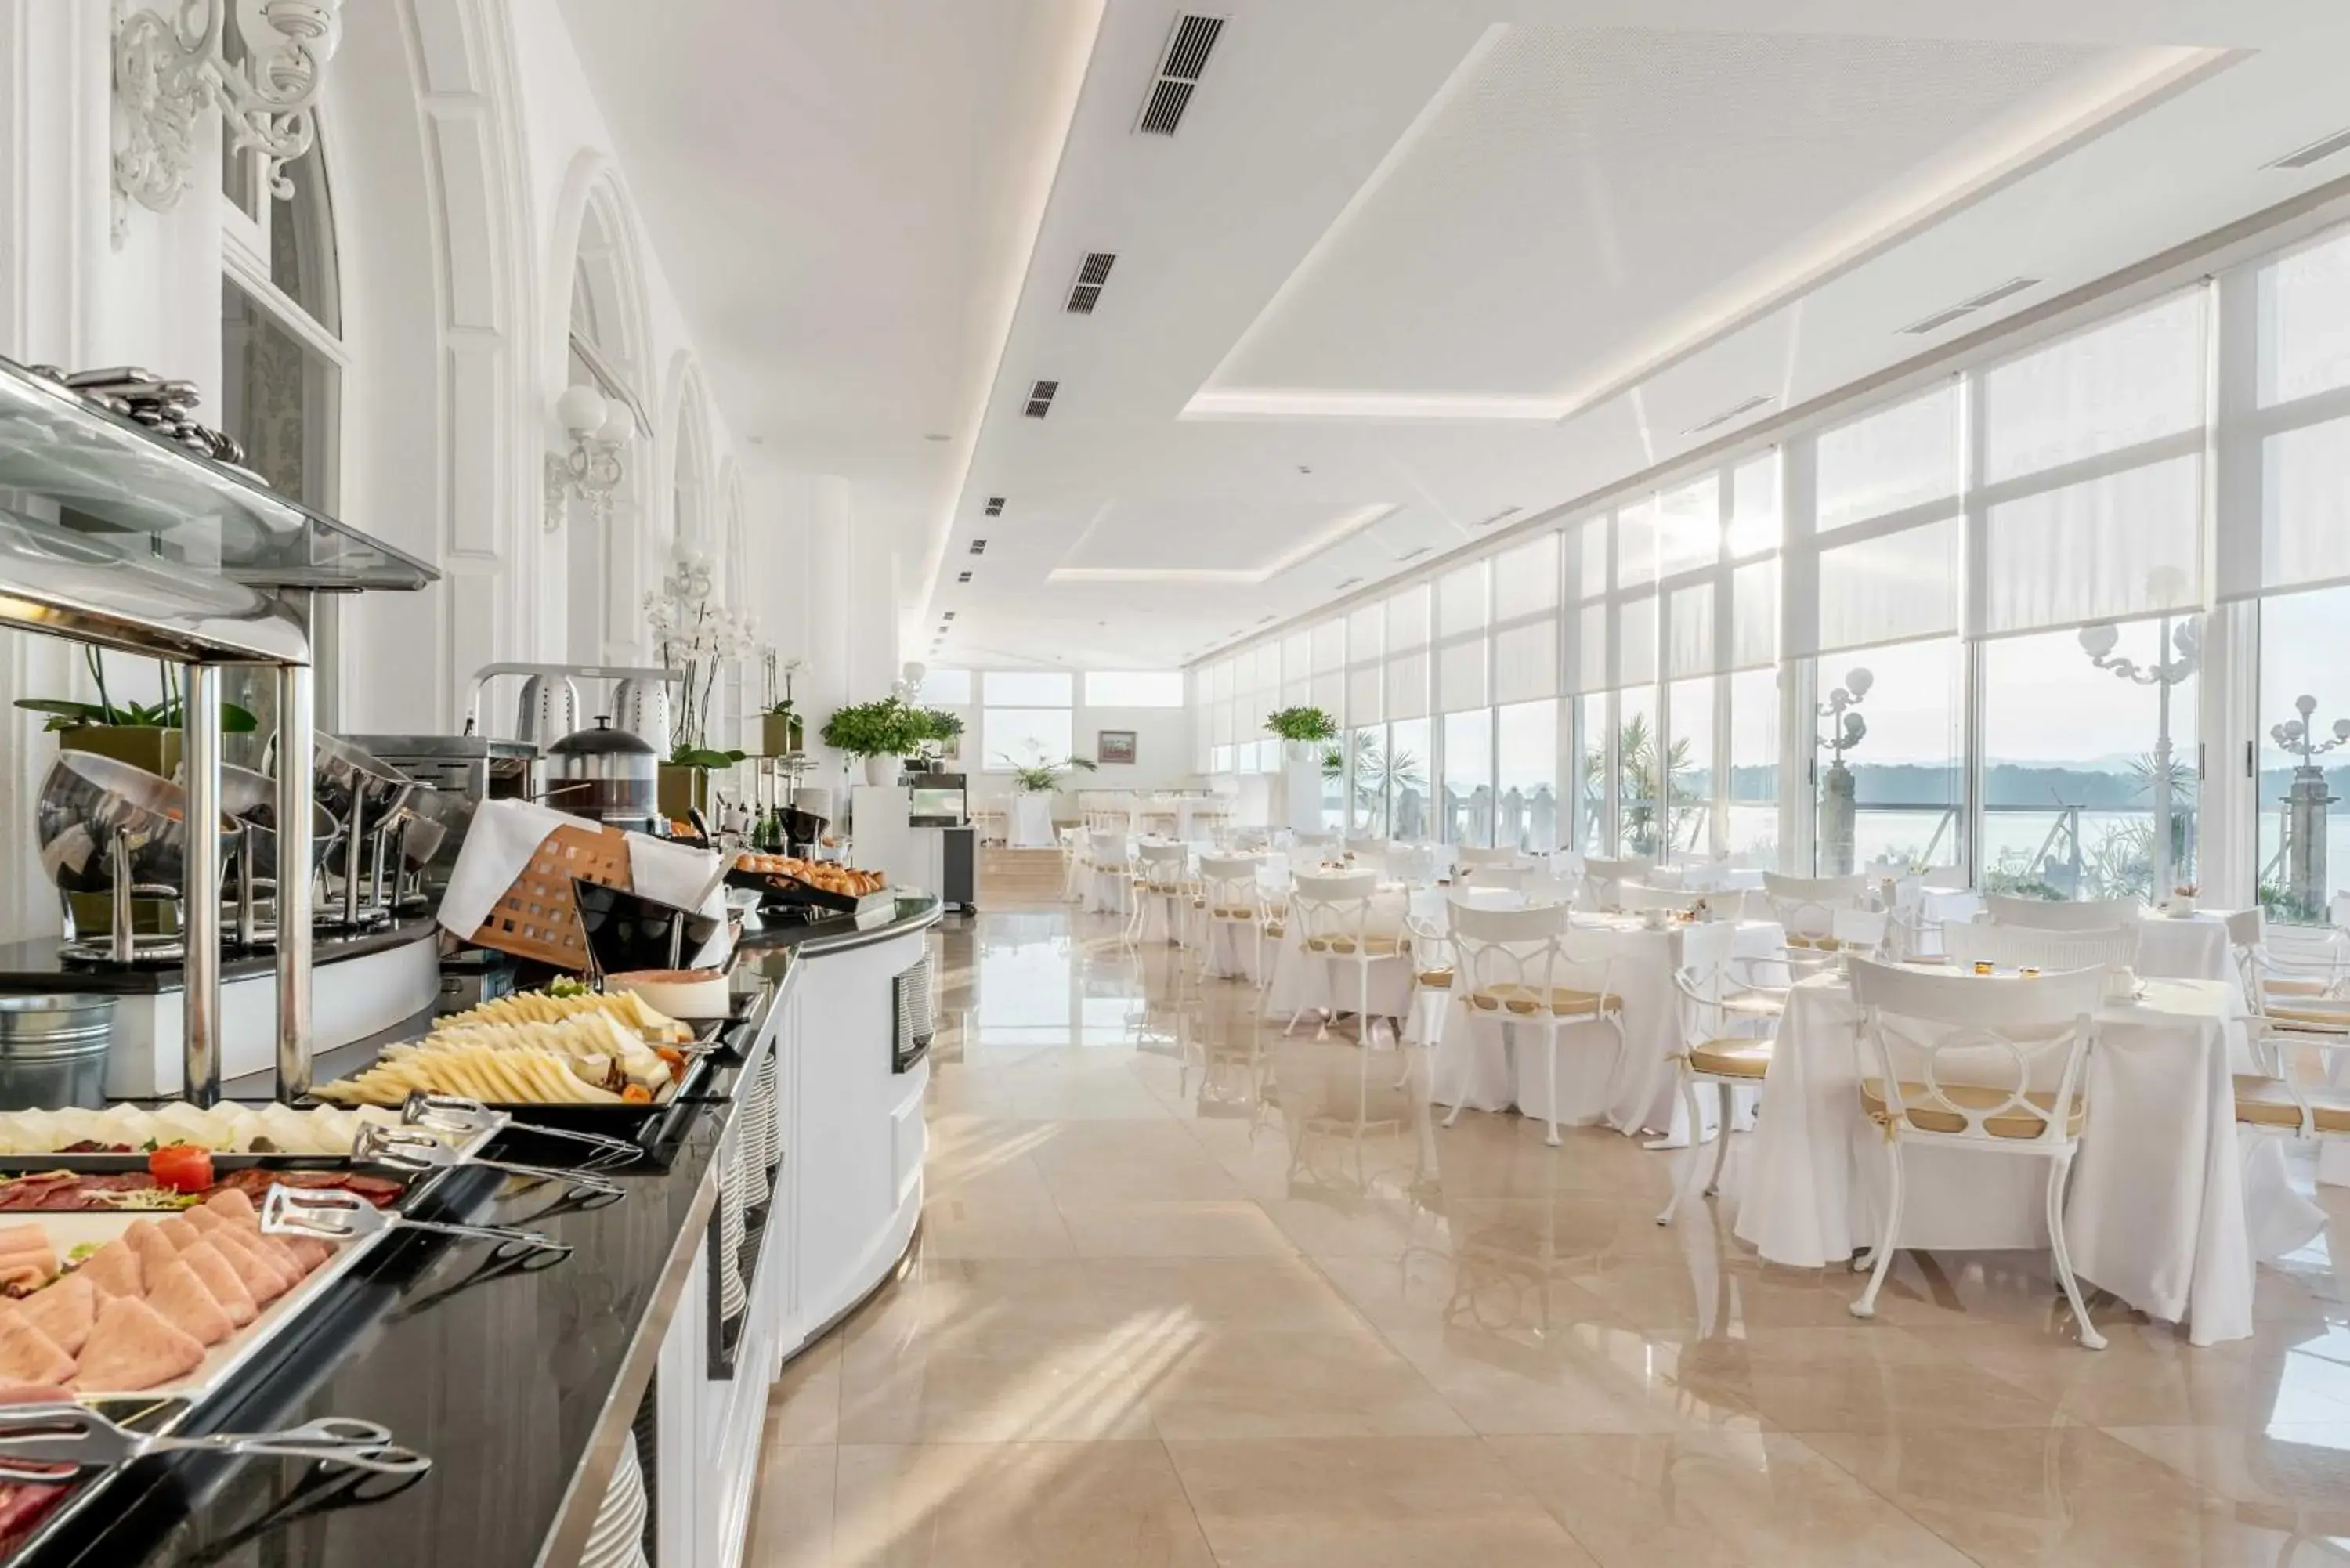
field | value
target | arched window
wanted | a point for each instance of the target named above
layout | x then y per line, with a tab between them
282	355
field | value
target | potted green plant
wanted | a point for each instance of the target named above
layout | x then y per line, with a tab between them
145	735
1302	727
782	732
1040	777
880	731
941	728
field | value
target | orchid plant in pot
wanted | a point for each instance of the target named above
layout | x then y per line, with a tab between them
697	635
144	734
782	732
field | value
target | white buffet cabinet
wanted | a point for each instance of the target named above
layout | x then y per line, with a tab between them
846	1197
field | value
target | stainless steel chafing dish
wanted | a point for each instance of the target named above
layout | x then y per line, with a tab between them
113	536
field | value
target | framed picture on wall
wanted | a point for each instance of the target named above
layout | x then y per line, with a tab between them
1114	746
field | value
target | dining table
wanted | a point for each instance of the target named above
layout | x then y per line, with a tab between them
2168	1206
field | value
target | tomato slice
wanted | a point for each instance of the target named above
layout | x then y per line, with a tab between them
181	1167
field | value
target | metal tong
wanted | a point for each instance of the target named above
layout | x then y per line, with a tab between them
455	1114
35	1439
331	1214
404	1148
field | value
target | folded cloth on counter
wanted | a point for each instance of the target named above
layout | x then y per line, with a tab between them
498	847
683	877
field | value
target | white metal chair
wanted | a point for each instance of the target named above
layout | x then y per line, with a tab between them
1467	854
1072	846
2303	960
1231	905
1162	881
1946	879
2062	915
1971	942
1110	872
1412	864
1806	906
1434	970
1601	877
1516	966
1711	1050
2283	1027
1340	923
1993	1066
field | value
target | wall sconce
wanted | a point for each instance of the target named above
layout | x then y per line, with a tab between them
169	68
589	468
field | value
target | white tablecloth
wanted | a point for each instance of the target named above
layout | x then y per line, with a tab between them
2156	1211
2194	948
1032	821
1632	1091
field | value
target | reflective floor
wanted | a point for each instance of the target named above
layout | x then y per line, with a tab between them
1190	1292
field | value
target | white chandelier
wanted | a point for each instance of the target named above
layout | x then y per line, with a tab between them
170	68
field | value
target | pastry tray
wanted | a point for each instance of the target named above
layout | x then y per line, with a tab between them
779	891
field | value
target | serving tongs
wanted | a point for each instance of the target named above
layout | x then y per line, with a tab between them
35	1440
405	1148
456	1114
331	1214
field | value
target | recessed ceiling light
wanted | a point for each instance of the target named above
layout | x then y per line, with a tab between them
963	577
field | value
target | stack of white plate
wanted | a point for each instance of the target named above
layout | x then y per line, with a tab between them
751	1144
617	1537
770	1080
733	1295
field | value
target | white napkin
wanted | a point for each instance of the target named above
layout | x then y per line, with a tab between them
504	836
677	875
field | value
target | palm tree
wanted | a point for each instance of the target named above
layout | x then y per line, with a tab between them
1376	774
1636	783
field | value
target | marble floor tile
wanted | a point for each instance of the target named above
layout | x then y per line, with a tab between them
1193	1293
1014	1505
1750	1498
1395	1502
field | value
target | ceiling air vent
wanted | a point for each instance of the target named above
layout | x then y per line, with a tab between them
1040	399
1759	400
1989	296
2323	148
1413	555
1178	72
978	546
947	616
1086	293
1498	516
963	577
996	506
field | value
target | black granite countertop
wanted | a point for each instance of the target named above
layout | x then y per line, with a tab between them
915	912
36	964
517	1381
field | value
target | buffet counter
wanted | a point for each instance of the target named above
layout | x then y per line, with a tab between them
530	1381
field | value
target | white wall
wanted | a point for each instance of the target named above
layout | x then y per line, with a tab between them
1162	758
465	148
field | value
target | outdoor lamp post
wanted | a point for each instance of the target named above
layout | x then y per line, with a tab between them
2185	641
1838	807
2305	803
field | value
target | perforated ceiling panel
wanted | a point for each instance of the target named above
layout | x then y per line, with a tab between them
1575	190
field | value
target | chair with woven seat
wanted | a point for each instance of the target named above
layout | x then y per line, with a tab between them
2284	1026
1970	942
1711	1050
1108	873
1516	968
2061	914
1493	876
1228	905
1806	908
1468	855
2302	962
1433	971
1162	881
1991	1067
1341	924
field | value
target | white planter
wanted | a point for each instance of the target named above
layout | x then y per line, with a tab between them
1300	806
880	770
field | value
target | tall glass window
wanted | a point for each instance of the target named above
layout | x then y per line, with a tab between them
2301	644
1526	777
1596	826
1908	772
1409	808
1367	775
2069	765
1754	768
1641	824
1469	777
1688	765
